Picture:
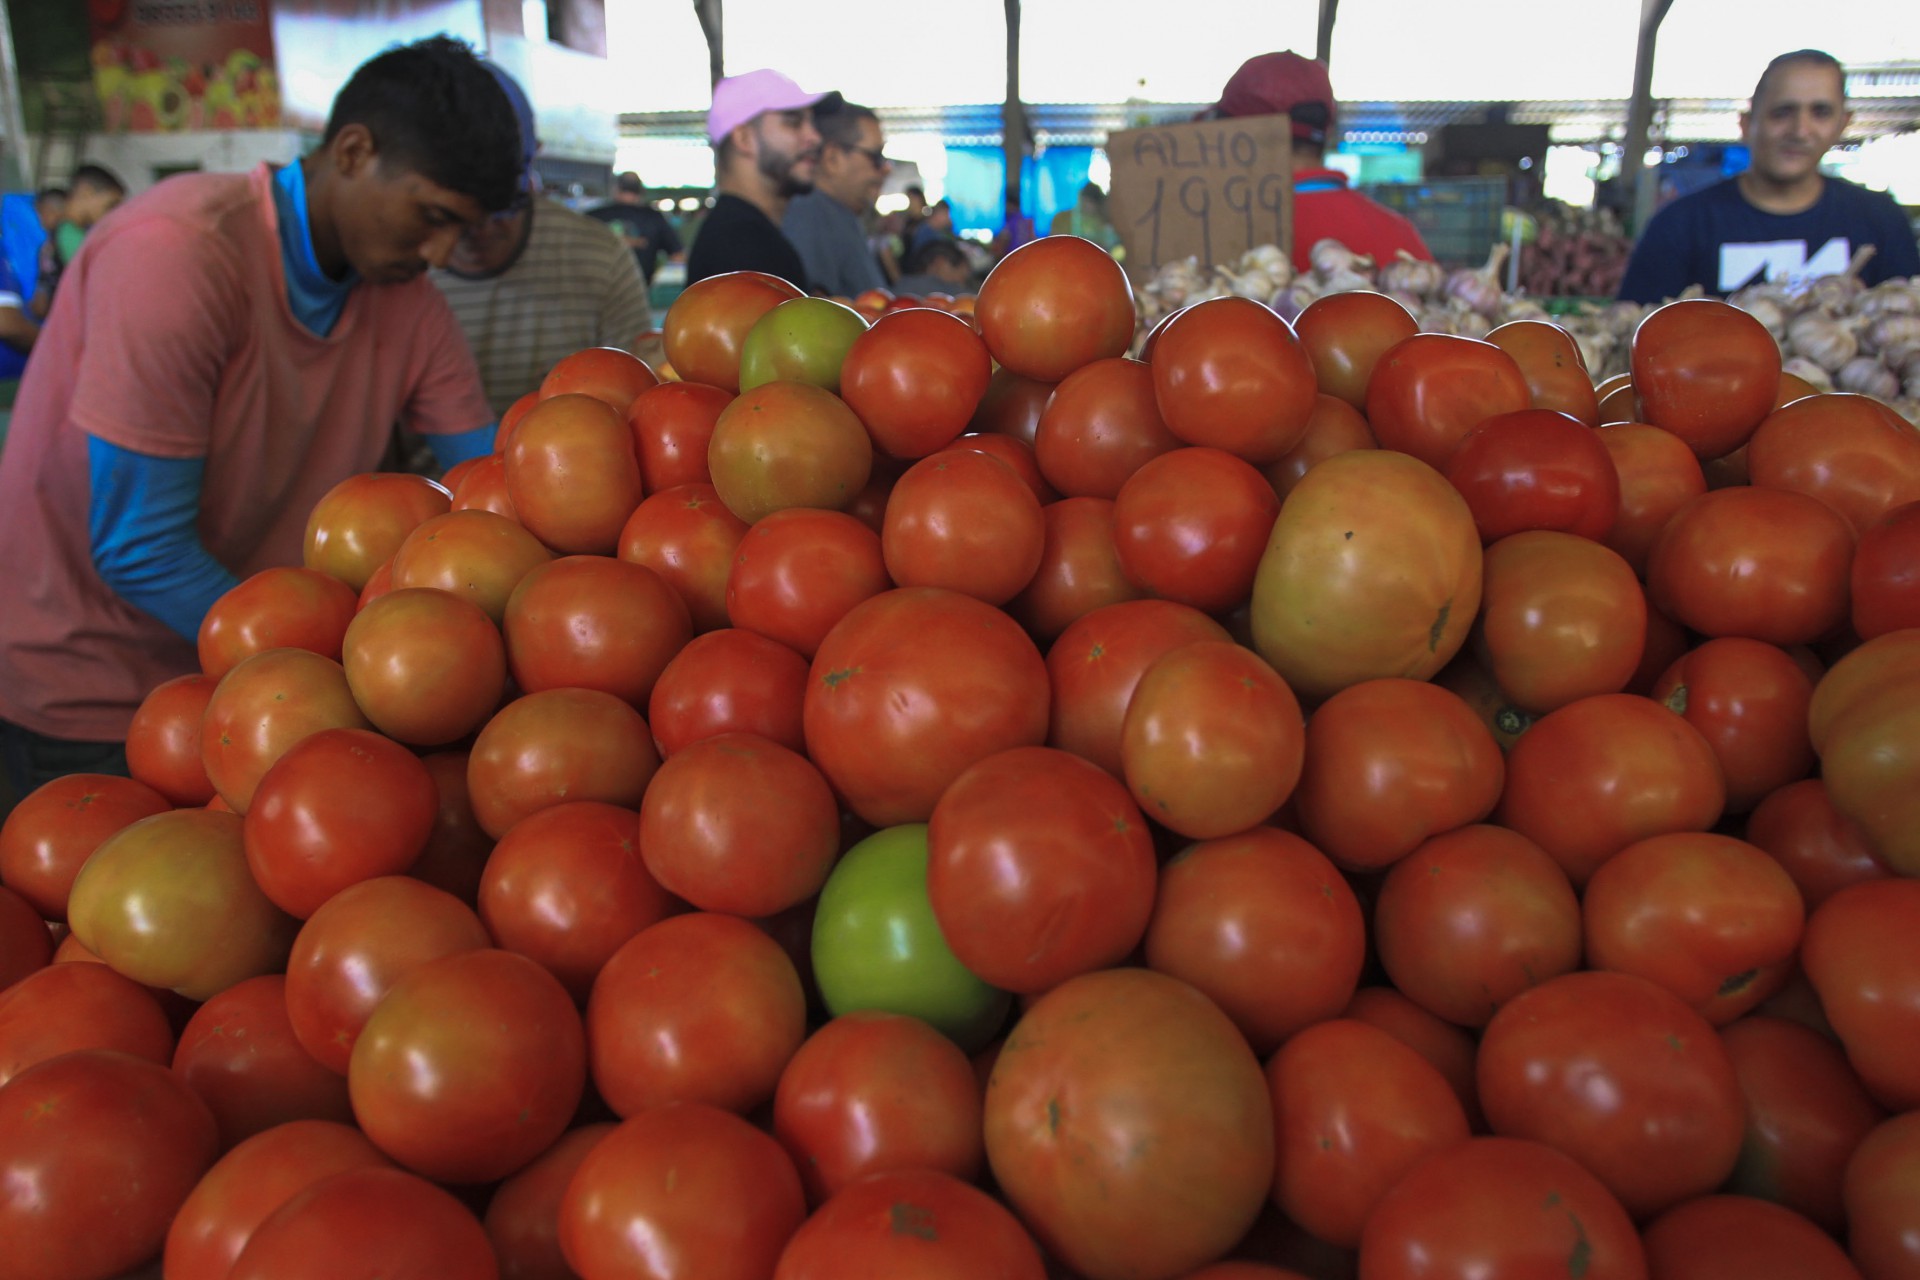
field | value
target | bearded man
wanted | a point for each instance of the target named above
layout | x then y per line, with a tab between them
765	149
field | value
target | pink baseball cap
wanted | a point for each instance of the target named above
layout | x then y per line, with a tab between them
738	99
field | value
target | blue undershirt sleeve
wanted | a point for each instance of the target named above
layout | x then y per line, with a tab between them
142	521
450	450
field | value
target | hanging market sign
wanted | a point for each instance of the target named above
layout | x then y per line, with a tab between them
1209	190
164	66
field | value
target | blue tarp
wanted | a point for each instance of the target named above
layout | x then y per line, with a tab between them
977	182
20	238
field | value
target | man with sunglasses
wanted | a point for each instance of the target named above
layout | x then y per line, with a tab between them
825	224
765	152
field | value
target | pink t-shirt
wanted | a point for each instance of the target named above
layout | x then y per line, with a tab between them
172	337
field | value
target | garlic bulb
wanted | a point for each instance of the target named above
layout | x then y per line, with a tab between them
1270	259
1808	372
1772	317
1868	377
1329	257
1827	342
1893	337
1438	320
1346	281
1836	293
1480	290
1907	407
1910	377
1409	275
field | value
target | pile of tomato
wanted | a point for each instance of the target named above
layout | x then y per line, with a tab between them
936	798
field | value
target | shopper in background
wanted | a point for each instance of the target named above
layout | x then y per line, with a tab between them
1782	219
826	224
538	282
937	224
1323	206
643	228
18	330
50	206
227	348
93	193
1088	219
937	266
765	151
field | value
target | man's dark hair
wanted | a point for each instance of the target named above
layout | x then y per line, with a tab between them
1315	117
432	108
914	189
839	120
49	193
629	183
928	252
96	178
1812	57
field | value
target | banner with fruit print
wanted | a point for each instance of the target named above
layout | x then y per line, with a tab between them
163	66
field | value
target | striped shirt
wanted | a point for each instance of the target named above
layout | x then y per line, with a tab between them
574	285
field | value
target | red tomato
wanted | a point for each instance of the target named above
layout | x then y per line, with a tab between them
53	830
1536	469
1599	774
1851	452
1705	371
702	844
476	555
1500	1207
672	424
426	666
1885	578
788	444
456	852
915	380
63	1007
1749	701
1191	526
729	681
1821	850
697	1008
1053	305
1618	403
1737	1238
566	887
1345	334
1333	427
1869	763
592	622
360	523
249	1182
1264	926
25	944
523	1217
470	1066
1471	919
688	537
873	1092
1212	740
708	324
350	953
1658	475
607	374
1129	1125
1100	426
917	1222
1561	618
1620	1074
558	745
1373	569
1466	677
963	521
1863	675
1095	665
459	471
1230	374
262	708
1390	764
341	806
1039	868
97	1152
1768	564
1859	956
1079	569
1430	391
484	488
1017	454
163	742
378	585
1883	1206
368	1224
238	1052
1011	406
1556	373
1448	1047
681	1192
1353	1111
912	687
1806	1114
572	473
798	571
276	608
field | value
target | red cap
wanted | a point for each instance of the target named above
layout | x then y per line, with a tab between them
1276	83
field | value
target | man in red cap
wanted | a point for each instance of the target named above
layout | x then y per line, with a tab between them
765	148
1323	207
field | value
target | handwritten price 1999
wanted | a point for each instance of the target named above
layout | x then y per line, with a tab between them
1252	199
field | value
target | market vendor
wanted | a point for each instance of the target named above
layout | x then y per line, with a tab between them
1782	219
1324	207
765	150
227	348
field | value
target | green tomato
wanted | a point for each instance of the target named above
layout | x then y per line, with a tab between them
876	944
801	340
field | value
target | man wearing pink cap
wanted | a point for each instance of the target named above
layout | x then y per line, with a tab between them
1323	208
765	147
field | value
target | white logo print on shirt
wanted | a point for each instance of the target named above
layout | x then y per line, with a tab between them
1781	261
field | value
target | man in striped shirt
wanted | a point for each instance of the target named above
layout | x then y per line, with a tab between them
538	282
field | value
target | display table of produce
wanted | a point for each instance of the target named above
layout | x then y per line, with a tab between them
1381	784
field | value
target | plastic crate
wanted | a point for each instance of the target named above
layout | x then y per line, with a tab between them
1459	218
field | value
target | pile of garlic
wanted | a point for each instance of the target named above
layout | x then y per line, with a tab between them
1843	336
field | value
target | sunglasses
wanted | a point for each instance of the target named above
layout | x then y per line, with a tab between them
874	154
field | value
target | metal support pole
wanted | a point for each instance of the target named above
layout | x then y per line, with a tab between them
1642	188
1013	118
710	15
1323	36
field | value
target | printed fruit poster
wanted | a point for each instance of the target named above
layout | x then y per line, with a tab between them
161	66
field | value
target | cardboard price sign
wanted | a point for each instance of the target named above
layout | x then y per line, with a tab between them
1210	190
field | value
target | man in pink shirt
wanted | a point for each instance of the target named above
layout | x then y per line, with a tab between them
223	350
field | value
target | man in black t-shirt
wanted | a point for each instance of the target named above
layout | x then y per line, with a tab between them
1782	219
644	228
765	148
